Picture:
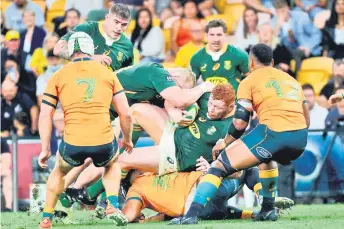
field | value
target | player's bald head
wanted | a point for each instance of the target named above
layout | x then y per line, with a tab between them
8	89
261	54
183	77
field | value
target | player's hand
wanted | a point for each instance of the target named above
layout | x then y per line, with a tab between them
207	86
220	145
202	165
103	59
128	145
184	121
43	158
335	99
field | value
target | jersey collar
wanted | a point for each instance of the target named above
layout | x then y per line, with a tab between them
223	50
106	37
82	59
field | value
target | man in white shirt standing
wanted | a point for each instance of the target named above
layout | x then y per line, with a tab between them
317	113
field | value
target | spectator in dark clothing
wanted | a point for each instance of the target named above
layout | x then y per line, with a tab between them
13	102
335	82
333	33
20	124
71	19
336	114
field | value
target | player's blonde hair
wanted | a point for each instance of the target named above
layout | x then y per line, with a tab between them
187	75
224	92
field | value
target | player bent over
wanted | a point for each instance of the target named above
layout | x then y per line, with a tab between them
85	89
281	135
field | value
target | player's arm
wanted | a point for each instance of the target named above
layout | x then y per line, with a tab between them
177	115
120	103
45	121
183	98
305	108
132	209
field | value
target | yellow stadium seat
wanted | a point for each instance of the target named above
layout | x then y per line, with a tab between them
169	65
220	5
317	78
56	10
236	10
228	19
318	63
5	5
167	37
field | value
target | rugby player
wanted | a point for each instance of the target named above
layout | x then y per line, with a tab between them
178	148
112	47
219	62
281	135
336	98
85	90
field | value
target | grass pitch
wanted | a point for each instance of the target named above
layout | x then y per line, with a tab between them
301	216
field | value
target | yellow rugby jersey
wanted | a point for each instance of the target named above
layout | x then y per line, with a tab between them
85	90
276	97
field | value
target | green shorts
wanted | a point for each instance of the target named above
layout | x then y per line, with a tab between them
76	155
268	145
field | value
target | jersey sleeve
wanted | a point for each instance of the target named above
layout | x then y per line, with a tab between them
245	90
117	86
161	79
84	27
135	194
50	96
203	102
243	65
195	66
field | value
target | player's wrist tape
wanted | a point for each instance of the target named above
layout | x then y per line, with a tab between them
242	113
234	132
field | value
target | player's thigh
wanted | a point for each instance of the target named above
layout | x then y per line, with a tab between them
61	165
151	118
103	155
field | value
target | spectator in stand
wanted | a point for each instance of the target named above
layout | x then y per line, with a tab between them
72	18
13	102
263	6
206	8
281	54
333	33
185	53
171	14
333	84
13	14
248	34
12	44
54	64
336	114
84	6
150	5
180	34
39	62
4	30
6	174
297	32
11	69
317	113
311	7
148	39
20	124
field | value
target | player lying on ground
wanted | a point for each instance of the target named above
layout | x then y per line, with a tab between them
281	135
85	90
170	194
150	82
178	148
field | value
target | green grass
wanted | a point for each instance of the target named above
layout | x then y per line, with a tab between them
302	216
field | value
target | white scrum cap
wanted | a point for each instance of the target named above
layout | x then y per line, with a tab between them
80	42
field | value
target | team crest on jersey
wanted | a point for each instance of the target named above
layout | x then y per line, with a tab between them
216	66
228	65
203	68
107	52
193	128
211	130
119	56
201	119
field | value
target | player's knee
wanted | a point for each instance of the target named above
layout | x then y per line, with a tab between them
226	163
217	169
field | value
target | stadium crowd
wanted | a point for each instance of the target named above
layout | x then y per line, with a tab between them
306	36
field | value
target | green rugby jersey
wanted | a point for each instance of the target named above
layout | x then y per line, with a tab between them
229	68
200	137
120	51
144	81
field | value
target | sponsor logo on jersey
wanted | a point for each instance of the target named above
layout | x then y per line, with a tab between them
228	65
264	153
193	128
119	56
216	66
211	130
201	119
216	80
203	68
107	52
170	160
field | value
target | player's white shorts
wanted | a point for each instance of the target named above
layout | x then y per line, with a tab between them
168	161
